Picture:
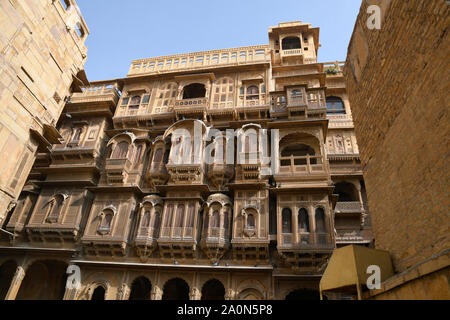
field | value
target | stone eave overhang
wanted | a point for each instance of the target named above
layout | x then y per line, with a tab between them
282	124
108	189
313	189
171	266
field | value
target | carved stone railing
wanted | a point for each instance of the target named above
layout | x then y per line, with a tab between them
349	207
201	60
176	233
291	52
194	102
106	91
301	165
306	241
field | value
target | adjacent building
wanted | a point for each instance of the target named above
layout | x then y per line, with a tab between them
398	87
130	200
42	55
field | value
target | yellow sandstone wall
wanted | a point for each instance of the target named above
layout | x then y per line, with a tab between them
40	52
398	84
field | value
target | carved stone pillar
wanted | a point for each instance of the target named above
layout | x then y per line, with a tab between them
195	294
70	293
230	294
363	213
15	283
156	293
124	292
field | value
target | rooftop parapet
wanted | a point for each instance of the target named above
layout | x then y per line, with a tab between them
200	60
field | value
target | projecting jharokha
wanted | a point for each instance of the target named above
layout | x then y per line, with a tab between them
223	174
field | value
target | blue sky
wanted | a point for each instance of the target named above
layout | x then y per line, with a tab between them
125	30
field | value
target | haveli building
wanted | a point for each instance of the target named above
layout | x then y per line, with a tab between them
114	201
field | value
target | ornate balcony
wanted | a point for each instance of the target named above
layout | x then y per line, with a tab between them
117	170
185	173
349	207
99	94
306	252
157	174
195	107
177	242
220	174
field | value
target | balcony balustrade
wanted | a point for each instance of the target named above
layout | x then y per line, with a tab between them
176	233
201	60
194	102
301	165
101	92
349	207
291	52
307	241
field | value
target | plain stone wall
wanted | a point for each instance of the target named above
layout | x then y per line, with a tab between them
398	84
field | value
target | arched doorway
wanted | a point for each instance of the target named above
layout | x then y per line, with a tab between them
347	192
99	293
7	271
194	90
291	43
250	294
44	280
303	294
213	290
140	289
176	289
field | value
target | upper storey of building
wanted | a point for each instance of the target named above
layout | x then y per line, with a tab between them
289	43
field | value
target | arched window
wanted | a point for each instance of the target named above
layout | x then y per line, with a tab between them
146	219
215	219
250	221
291	43
121	151
252	93
54	208
135	101
335	105
140	289
98	294
157	157
320	220
346	191
105	224
303	220
286	217
213	290
76	134
180	216
194	90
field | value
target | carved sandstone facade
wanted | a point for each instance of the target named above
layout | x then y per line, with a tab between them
115	200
